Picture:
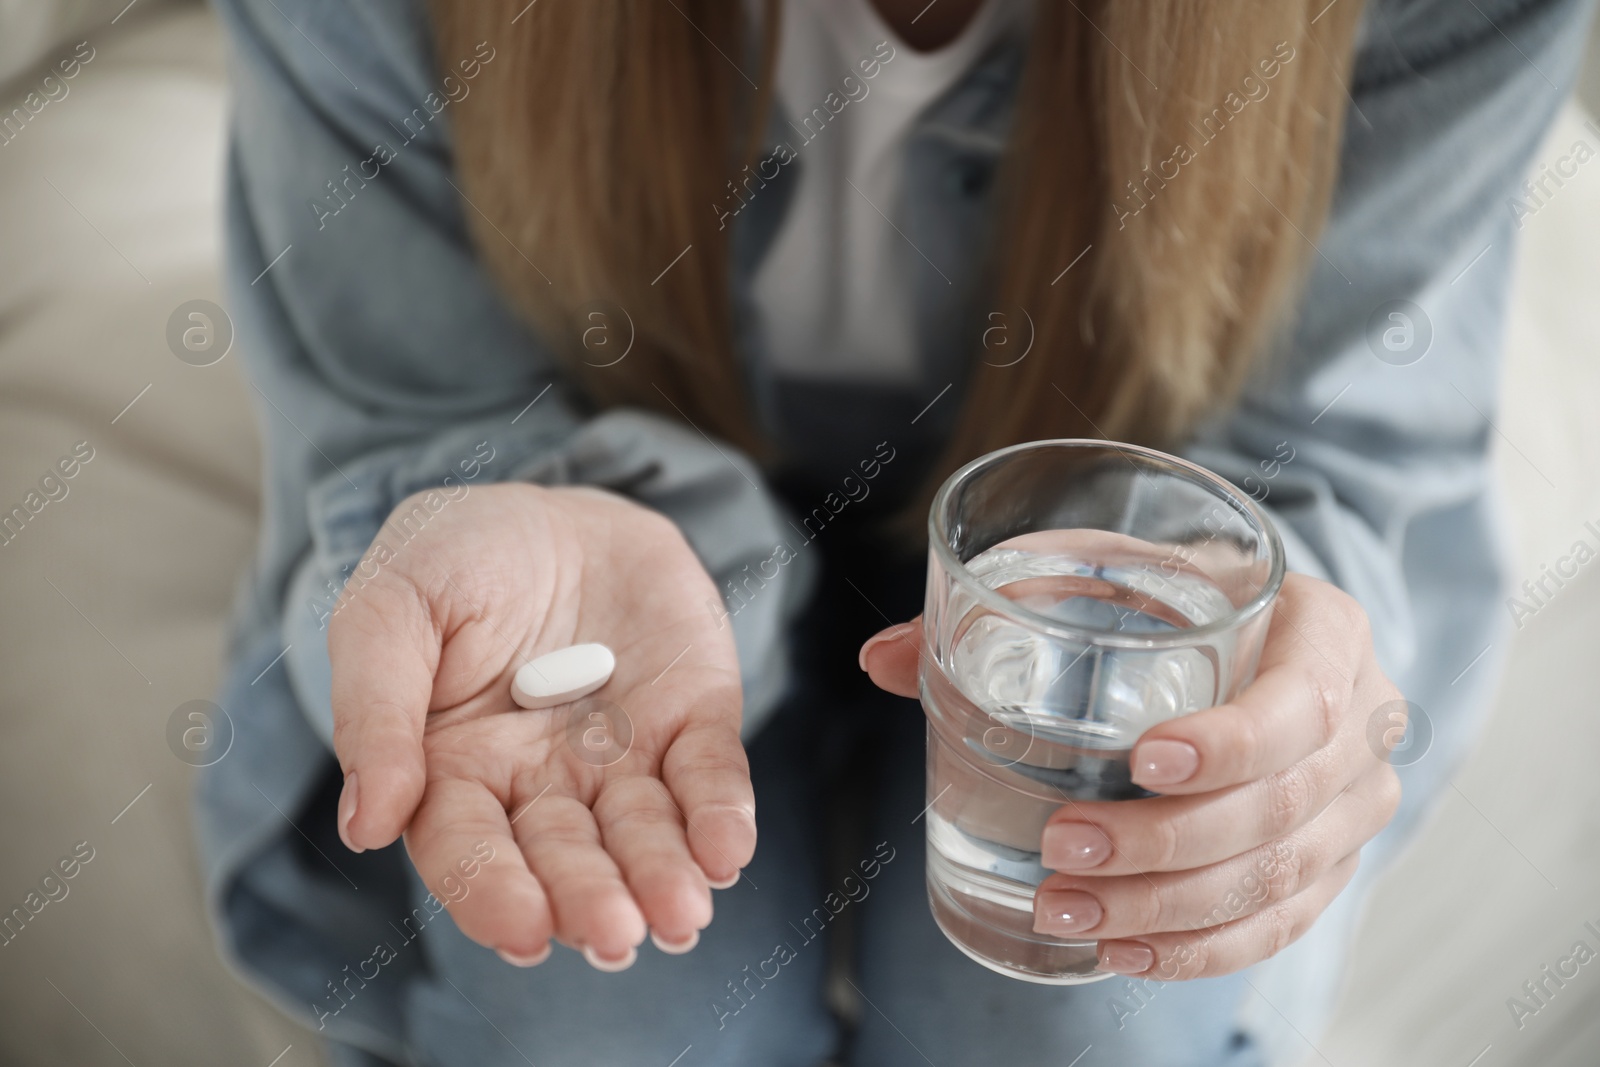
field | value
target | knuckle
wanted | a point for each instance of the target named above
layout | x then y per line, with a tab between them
566	835
1327	693
1281	928
741	809
715	759
1246	748
1337	604
1355	619
622	801
1236	749
1164	844
1289	870
350	716
623	814
717	769
1150	910
1191	958
1289	796
344	727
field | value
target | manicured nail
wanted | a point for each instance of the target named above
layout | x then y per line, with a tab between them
1065	911
1073	846
347	811
1164	762
676	948
728	884
525	961
1126	957
609	966
896	632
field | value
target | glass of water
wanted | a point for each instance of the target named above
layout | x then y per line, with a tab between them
1079	593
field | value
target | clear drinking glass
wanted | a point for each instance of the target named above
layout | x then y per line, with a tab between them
1079	593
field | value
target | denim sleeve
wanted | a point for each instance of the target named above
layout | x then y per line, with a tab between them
1366	434
382	358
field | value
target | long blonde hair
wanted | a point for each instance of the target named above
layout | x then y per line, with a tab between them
1178	154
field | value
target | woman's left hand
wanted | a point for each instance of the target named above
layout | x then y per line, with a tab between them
1266	802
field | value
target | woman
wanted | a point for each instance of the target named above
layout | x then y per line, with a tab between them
566	318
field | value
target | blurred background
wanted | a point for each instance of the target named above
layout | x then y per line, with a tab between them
114	595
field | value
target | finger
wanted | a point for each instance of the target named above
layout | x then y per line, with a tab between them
890	658
1314	654
384	653
593	909
1183	832
463	848
1284	716
1132	905
1233	946
708	775
644	833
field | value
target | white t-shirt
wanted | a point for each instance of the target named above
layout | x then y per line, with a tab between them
834	291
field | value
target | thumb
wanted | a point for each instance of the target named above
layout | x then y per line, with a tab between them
890	657
384	651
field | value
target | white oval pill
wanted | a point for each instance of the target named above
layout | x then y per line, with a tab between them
563	675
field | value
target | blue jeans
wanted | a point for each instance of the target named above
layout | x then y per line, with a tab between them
825	950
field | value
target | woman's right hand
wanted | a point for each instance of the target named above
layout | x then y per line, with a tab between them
590	847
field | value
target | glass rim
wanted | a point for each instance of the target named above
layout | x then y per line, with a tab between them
939	543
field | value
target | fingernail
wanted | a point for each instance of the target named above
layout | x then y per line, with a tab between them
676	948
347	811
609	966
1073	846
1164	762
897	631
1065	911
1126	957
729	884
525	961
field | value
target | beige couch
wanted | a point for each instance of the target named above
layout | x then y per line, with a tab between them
112	601
112	598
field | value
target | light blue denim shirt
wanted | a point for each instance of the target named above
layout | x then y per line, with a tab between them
385	362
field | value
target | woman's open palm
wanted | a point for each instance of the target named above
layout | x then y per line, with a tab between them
605	816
